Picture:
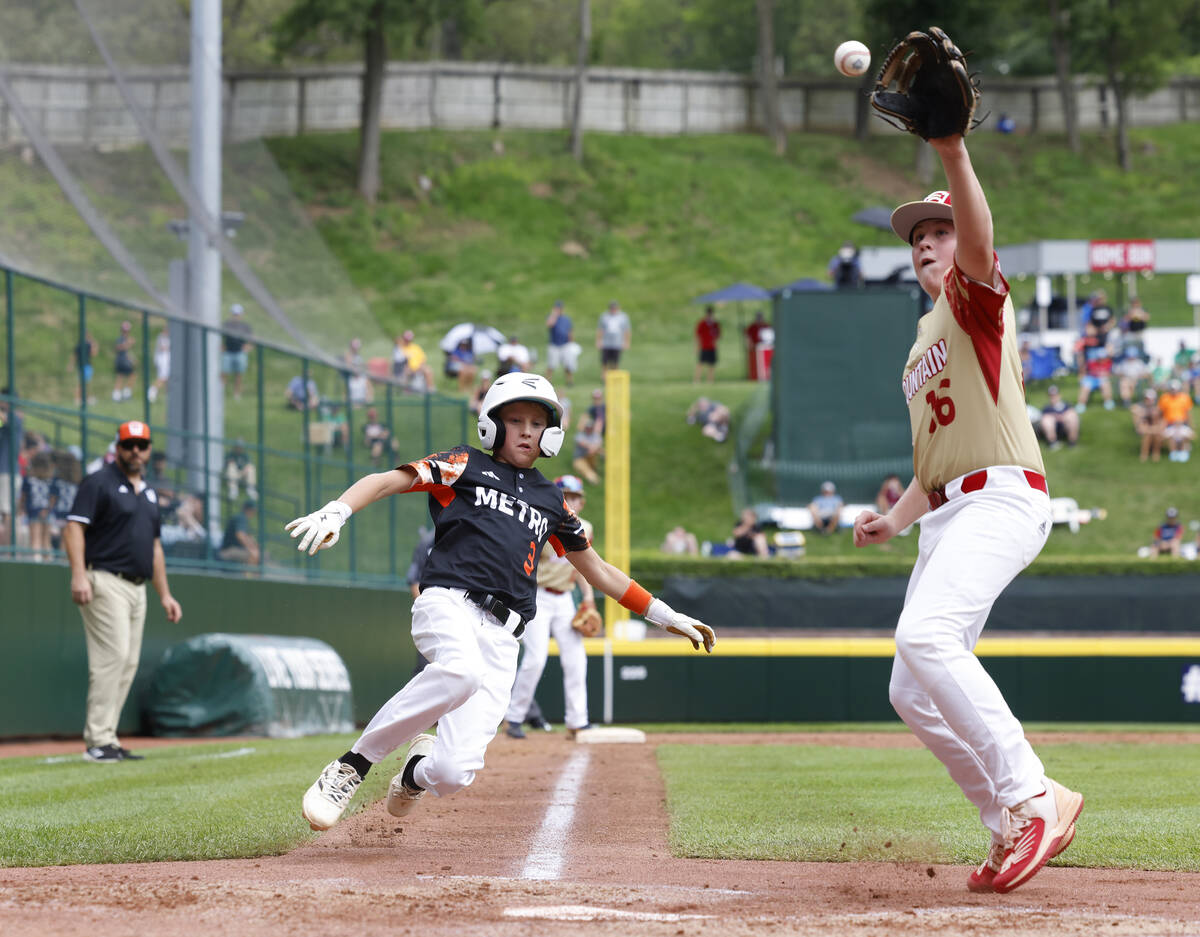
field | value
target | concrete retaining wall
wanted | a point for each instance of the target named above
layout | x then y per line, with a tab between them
81	106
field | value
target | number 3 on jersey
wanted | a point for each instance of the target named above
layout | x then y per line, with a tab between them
943	407
529	559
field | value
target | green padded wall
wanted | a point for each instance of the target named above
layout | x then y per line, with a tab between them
41	636
837	407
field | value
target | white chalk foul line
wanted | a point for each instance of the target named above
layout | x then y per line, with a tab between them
236	753
545	859
581	912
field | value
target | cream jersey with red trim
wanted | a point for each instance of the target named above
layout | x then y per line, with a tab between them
557	572
962	381
491	520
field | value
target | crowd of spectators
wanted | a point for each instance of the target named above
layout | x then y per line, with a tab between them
1111	359
35	501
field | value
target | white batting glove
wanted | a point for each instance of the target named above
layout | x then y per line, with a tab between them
661	614
321	529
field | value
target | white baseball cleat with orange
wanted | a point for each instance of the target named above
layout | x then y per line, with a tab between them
1037	828
980	881
401	798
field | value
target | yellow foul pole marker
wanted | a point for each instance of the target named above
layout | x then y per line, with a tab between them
616	479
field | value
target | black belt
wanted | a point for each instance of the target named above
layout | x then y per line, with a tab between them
510	621
136	580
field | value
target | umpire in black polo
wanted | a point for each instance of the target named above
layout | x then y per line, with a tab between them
112	541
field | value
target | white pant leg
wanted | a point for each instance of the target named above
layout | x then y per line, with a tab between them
919	713
971	548
463	734
456	638
573	659
536	641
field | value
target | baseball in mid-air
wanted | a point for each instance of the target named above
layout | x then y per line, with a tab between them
852	58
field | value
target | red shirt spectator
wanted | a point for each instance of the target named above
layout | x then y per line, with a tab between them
708	331
755	329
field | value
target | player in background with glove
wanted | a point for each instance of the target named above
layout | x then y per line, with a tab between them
978	485
556	580
492	514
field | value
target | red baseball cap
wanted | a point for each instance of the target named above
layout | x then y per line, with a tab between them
133	429
910	214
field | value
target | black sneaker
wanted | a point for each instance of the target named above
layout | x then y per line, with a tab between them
127	755
104	754
514	731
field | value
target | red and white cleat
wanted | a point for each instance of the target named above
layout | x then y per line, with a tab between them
1039	829
980	881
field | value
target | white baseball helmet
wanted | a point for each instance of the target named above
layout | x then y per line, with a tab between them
518	385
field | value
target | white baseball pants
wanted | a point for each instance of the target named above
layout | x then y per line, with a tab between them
464	690
971	548
554	614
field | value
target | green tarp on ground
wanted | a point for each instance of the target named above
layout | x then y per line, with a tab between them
246	684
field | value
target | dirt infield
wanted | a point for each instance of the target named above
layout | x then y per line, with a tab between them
463	866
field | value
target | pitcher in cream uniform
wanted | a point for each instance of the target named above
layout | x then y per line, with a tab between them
980	489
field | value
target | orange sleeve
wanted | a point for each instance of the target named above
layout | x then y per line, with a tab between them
636	598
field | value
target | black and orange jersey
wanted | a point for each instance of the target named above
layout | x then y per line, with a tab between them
491	520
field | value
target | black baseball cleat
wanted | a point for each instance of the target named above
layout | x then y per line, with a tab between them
127	755
514	731
537	722
104	754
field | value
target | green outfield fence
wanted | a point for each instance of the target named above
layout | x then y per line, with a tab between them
302	458
854	431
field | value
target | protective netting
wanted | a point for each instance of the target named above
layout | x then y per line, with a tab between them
66	127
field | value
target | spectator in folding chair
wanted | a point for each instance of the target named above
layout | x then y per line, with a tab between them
826	509
748	536
1168	536
1059	419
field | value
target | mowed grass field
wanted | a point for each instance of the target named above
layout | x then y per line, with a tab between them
765	801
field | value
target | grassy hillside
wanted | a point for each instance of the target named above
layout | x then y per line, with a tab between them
508	223
666	219
511	223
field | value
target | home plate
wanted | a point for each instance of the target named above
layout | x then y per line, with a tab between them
601	735
576	912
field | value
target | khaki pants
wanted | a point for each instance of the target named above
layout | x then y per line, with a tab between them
112	624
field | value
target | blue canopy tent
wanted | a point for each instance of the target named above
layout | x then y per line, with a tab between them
803	285
877	216
738	292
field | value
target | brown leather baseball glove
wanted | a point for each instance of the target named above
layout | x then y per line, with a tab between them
587	620
924	87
